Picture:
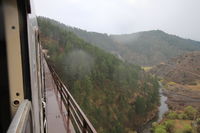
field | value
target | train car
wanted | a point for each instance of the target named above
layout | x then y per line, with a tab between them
23	79
21	70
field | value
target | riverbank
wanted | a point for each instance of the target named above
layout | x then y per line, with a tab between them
180	96
161	110
186	121
152	117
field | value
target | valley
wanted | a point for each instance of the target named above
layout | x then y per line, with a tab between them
115	95
104	74
181	77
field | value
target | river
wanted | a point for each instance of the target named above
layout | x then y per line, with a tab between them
163	108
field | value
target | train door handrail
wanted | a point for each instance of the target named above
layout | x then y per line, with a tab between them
21	119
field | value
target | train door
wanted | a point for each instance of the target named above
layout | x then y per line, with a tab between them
4	85
15	85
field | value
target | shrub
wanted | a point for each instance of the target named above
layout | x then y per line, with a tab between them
198	129
187	129
160	129
182	116
190	112
154	124
198	125
169	124
198	121
172	115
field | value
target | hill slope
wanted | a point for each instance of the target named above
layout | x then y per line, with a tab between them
116	96
181	76
184	69
152	47
100	40
142	48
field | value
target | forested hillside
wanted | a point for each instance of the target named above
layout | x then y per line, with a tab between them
116	96
152	47
100	40
142	48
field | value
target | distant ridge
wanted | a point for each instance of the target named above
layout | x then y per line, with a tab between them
146	48
152	47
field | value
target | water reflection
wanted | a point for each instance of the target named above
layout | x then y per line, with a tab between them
163	108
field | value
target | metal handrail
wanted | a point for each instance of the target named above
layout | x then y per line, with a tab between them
74	112
21	119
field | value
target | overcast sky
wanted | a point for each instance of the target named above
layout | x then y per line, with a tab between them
180	17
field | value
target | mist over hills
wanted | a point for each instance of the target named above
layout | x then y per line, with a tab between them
145	48
152	47
117	96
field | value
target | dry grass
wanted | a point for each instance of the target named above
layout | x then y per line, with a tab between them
180	124
194	87
146	69
171	83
